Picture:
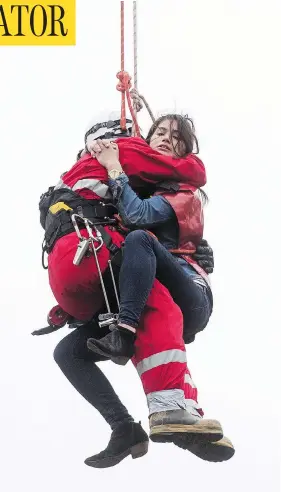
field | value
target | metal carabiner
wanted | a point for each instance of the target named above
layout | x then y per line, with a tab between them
108	318
74	222
98	238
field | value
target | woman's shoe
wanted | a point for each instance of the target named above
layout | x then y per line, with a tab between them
118	345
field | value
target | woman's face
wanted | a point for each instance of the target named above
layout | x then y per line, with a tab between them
166	139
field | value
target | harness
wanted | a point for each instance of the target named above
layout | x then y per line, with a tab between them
57	208
63	212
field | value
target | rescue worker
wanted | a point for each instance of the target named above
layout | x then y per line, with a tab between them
144	257
79	375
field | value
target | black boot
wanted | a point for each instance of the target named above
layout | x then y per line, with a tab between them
128	438
118	345
215	452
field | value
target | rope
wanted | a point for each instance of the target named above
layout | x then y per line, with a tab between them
124	84
148	108
139	100
135	47
134	132
123	101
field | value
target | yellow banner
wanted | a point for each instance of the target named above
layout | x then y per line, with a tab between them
27	23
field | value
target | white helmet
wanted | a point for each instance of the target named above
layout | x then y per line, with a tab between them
107	125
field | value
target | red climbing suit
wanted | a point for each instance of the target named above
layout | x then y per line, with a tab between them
160	353
77	289
160	356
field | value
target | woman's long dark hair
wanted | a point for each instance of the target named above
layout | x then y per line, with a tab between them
185	128
186	132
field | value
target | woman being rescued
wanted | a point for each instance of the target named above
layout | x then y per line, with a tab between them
170	137
168	226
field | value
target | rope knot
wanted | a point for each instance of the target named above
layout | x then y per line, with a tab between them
124	81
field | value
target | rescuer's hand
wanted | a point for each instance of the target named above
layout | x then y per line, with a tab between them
107	153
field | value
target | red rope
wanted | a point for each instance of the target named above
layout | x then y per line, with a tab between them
124	84
123	101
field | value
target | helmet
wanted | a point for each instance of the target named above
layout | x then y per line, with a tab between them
109	127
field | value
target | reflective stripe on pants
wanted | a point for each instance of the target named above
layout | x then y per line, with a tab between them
160	356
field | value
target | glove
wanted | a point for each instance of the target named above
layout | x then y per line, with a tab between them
204	256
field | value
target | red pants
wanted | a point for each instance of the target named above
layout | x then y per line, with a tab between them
160	357
77	288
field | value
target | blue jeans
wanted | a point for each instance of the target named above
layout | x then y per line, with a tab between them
145	259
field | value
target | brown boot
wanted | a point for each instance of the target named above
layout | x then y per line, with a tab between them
170	425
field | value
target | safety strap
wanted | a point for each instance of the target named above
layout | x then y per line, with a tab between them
61	223
107	240
45	331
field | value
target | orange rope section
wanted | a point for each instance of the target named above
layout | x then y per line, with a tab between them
124	84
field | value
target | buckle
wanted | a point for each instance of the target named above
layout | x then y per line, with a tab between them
113	248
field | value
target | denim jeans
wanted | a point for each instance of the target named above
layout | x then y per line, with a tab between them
145	259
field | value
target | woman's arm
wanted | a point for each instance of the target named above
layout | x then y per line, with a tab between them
136	212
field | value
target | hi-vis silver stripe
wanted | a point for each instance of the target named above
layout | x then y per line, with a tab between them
193	404
94	185
163	401
188	380
161	358
61	185
192	407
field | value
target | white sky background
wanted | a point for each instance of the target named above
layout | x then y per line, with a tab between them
220	61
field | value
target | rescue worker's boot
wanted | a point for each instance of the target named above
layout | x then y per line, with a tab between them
118	345
214	452
169	425
127	439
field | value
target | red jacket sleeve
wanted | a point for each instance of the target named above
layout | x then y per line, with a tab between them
145	165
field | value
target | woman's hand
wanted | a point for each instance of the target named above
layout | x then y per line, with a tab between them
106	152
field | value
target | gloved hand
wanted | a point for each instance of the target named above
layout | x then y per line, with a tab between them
204	256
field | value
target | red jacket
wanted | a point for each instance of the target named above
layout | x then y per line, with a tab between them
76	288
142	165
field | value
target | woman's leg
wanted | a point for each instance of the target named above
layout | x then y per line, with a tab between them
144	260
